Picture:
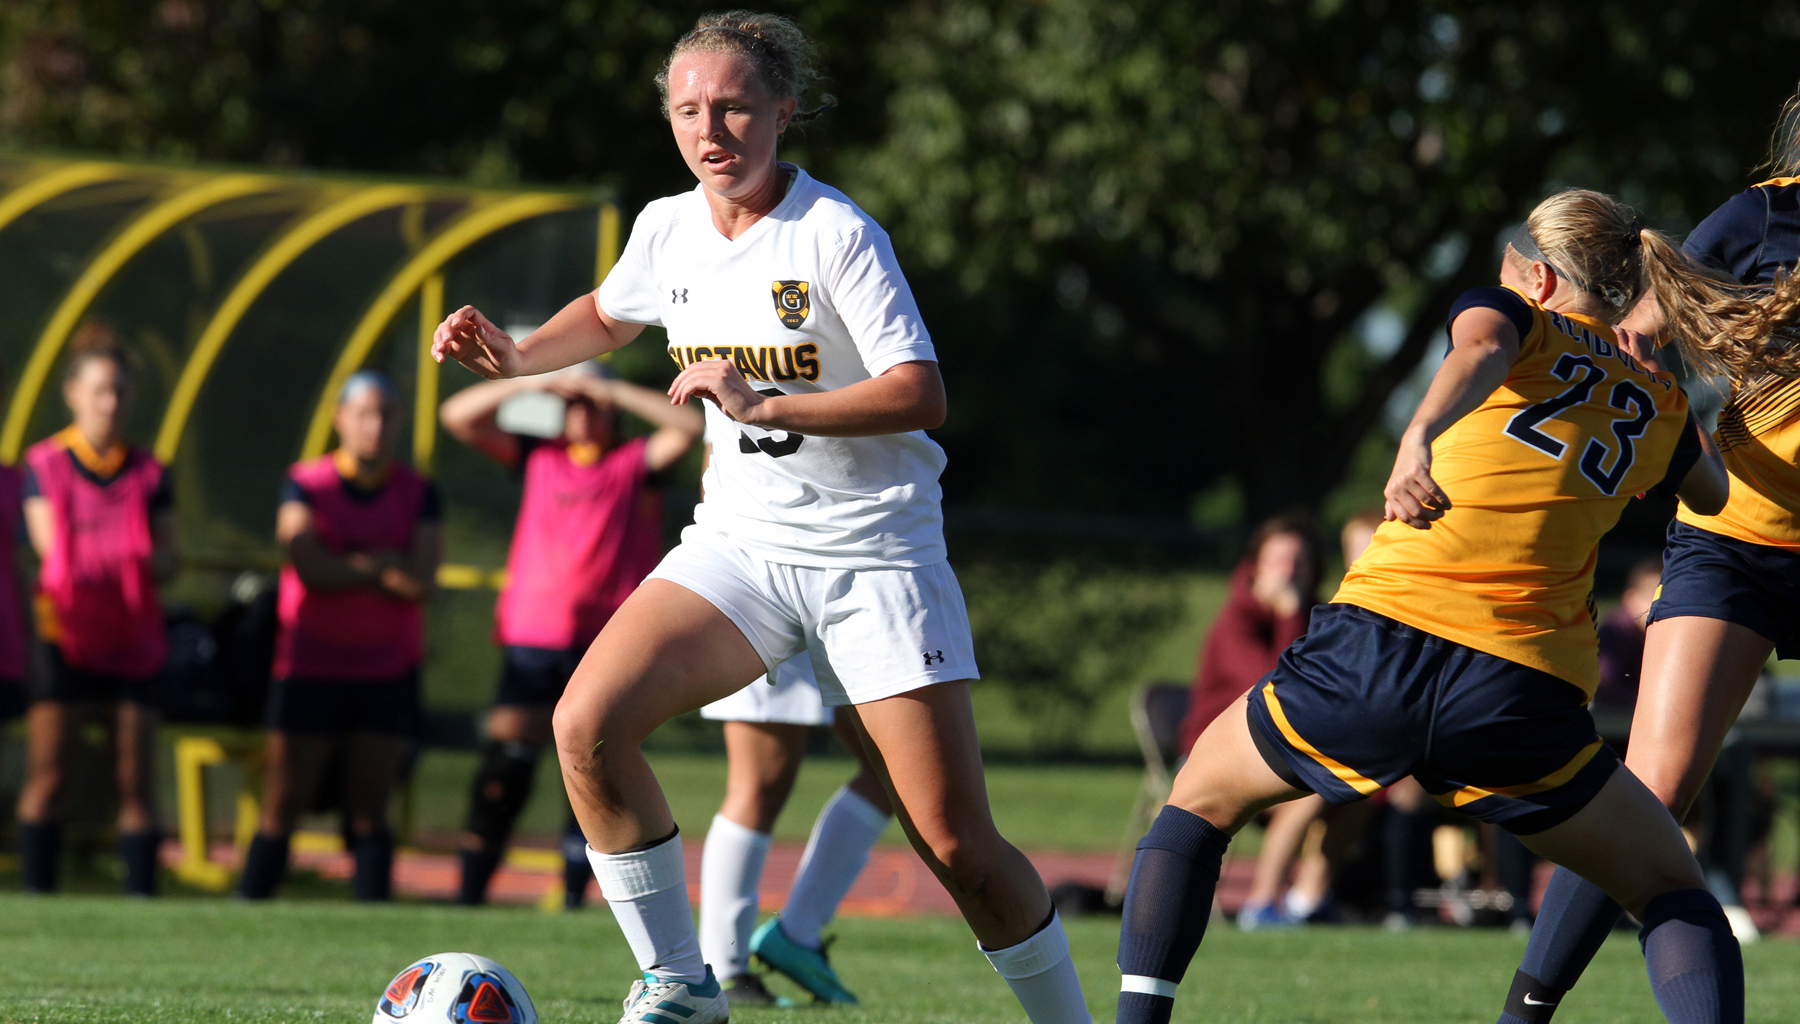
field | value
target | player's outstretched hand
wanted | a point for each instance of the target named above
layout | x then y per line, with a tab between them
719	380
472	340
1412	496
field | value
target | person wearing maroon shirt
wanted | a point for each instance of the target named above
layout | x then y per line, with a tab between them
1273	590
1622	638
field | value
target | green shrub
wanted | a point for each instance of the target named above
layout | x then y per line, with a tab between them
1063	636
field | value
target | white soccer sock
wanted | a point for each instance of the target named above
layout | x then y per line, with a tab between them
731	865
647	891
835	854
1042	976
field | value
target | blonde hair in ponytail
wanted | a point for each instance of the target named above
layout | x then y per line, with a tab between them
1722	327
1784	146
1591	239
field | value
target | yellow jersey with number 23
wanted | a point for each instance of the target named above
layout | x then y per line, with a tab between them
1535	476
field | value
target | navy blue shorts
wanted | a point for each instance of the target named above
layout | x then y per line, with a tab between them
1716	577
1361	702
339	707
57	680
535	676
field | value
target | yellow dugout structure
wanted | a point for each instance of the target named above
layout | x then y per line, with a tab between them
248	296
251	295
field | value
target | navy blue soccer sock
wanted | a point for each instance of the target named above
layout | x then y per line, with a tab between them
1166	907
577	872
1573	922
1696	968
138	850
265	864
373	881
40	854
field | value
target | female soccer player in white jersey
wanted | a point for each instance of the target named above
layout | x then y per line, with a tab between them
820	531
766	726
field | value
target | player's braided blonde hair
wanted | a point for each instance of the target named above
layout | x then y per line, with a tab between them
1719	325
785	59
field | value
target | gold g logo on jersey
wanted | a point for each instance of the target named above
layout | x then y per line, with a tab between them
791	304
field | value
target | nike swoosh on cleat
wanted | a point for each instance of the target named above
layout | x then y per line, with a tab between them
1538	1002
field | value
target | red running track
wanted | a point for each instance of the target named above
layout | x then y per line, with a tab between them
896	883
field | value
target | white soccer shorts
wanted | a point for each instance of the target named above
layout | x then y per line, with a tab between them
793	699
872	633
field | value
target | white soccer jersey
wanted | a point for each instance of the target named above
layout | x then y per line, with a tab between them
809	299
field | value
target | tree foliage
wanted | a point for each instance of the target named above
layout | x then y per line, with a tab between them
1144	231
1224	187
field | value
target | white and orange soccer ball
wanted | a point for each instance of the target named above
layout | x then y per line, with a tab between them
455	988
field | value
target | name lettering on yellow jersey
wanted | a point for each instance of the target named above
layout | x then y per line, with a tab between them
765	362
1601	348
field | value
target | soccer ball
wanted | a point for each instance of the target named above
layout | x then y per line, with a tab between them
455	988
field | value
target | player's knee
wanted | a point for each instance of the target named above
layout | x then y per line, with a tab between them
1635	901
584	736
577	732
961	854
1225	814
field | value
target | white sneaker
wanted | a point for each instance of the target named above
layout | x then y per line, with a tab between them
1742	926
653	1001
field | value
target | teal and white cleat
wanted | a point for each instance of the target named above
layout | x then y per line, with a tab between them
653	1001
808	968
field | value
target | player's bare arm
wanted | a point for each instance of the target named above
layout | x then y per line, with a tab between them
318	566
1484	346
907	397
1707	485
678	427
40	526
578	331
472	417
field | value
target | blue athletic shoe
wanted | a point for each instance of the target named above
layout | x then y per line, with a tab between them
808	968
1255	917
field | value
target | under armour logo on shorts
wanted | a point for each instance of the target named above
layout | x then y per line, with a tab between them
934	658
678	295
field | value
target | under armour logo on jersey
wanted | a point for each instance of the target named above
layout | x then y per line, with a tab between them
934	658
678	295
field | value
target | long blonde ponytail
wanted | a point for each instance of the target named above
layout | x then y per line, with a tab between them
1722	327
1784	146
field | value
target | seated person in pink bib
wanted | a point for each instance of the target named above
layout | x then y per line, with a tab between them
589	530
363	538
99	515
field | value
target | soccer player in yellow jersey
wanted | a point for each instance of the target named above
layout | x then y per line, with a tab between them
1730	592
1461	648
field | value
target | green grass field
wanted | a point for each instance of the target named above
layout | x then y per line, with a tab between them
1088	812
106	959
